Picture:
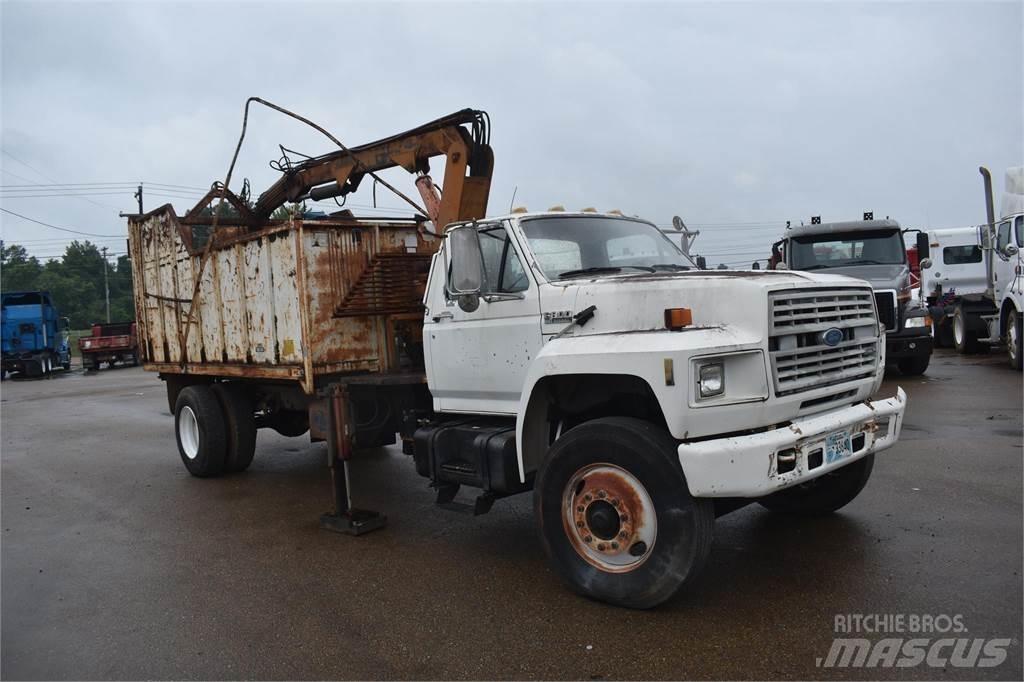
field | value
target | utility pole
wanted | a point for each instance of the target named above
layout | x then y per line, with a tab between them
138	195
106	284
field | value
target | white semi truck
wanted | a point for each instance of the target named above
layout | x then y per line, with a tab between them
577	355
974	281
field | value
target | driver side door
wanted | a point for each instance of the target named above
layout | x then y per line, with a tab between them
479	357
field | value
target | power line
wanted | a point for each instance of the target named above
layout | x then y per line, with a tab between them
62	229
44	175
64	194
87	185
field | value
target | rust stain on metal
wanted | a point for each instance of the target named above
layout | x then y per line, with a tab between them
607	486
311	298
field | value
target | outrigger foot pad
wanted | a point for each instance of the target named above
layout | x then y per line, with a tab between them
353	521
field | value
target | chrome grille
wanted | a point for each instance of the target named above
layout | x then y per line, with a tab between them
800	360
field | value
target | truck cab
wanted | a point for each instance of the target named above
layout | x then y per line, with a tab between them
874	251
583	356
1008	279
34	335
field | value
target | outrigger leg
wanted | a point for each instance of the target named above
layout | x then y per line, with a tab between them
344	519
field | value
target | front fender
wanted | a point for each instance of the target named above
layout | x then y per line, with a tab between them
641	354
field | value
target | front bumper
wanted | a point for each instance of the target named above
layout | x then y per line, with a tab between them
909	345
747	466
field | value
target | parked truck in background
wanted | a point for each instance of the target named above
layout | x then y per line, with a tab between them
34	335
577	355
109	342
874	251
954	283
976	284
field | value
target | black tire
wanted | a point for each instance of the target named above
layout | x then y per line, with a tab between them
1014	339
66	365
942	332
205	451
684	525
915	365
965	339
824	494
240	426
290	423
32	368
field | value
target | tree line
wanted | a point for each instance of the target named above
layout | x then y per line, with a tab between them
75	281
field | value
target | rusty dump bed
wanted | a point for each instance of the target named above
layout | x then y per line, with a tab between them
298	300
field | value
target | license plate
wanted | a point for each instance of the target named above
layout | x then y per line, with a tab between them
838	446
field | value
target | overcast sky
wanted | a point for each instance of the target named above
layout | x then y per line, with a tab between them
737	117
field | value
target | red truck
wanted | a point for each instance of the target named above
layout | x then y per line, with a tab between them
110	342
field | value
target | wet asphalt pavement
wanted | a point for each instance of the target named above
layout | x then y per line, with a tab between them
117	564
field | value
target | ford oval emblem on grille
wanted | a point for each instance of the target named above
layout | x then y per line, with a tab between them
831	337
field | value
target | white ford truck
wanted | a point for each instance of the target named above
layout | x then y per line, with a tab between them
643	391
580	356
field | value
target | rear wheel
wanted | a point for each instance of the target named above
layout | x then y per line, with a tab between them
200	431
824	494
240	426
914	366
965	340
615	516
1014	339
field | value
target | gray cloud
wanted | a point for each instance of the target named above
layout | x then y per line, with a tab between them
722	113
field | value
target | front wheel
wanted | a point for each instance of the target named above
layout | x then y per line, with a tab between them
615	515
1014	339
824	494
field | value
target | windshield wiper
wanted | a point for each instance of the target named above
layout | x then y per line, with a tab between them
816	267
588	271
670	266
601	270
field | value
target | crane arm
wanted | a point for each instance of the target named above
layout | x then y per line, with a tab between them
467	177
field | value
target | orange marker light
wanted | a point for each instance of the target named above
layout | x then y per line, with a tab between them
677	318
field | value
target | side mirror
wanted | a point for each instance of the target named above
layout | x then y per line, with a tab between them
922	246
702	262
467	277
1010	249
755	265
926	263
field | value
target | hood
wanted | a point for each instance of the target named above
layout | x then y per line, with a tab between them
637	303
894	276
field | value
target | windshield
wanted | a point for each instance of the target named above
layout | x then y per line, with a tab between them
878	247
568	246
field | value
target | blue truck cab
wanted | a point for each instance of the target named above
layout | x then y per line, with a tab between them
33	336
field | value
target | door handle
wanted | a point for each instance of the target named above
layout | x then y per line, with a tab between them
442	316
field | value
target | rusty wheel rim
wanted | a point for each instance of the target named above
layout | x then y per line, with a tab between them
609	517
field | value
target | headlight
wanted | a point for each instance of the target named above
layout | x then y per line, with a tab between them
87	344
911	322
711	380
